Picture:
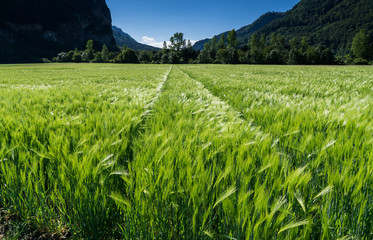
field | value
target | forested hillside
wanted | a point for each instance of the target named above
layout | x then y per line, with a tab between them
332	23
244	33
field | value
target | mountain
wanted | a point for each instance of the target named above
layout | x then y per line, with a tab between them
32	29
332	23
122	38
243	34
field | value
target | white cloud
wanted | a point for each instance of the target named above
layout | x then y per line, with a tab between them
152	42
192	41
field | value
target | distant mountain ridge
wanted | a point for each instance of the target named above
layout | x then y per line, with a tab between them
243	34
122	38
332	23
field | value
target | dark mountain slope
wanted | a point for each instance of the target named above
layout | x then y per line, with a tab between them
122	38
332	23
243	34
32	29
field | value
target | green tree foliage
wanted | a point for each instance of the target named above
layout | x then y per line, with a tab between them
278	52
221	43
214	43
262	42
255	53
222	56
275	57
188	54
304	45
207	46
204	57
294	43
177	42
60	57
173	57
165	59
360	45
89	52
69	56
232	39
98	58
105	53
213	47
233	55
294	57
111	56
275	49
319	55
77	57
165	49
127	56
189	44
145	56
130	56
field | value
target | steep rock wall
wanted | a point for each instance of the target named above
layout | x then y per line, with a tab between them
32	29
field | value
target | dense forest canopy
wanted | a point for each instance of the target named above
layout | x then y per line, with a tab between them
332	23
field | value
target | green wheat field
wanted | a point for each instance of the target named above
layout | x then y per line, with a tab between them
105	151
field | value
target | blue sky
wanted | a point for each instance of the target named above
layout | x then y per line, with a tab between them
153	22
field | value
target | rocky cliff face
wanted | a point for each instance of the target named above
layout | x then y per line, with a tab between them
32	29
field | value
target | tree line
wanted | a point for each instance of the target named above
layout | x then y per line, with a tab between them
273	49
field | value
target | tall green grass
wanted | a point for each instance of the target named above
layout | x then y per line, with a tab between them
321	123
64	129
188	152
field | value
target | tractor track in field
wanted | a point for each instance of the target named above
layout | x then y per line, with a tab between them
158	93
241	116
147	111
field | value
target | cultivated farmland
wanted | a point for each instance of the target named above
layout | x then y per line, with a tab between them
101	151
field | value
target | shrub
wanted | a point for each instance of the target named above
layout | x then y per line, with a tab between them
360	61
77	57
46	60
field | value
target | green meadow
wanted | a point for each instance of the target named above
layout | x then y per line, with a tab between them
106	151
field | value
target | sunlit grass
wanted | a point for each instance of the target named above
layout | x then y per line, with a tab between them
188	152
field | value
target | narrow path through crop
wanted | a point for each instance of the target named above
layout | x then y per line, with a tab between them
282	150
159	90
148	108
240	114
